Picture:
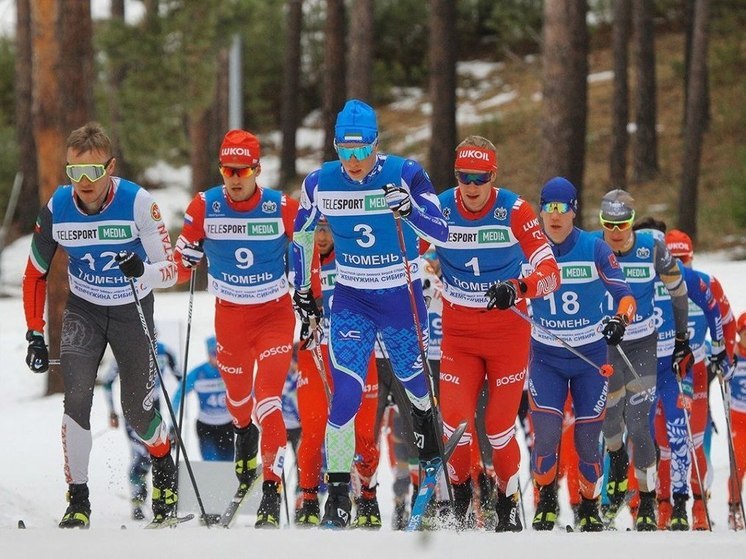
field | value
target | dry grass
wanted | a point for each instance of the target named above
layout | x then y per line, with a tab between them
514	128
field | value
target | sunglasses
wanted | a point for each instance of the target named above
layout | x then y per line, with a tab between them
91	171
621	225
240	172
358	153
559	207
473	178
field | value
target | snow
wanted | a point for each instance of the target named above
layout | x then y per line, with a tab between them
32	483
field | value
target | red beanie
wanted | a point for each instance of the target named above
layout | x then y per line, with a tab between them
680	244
240	148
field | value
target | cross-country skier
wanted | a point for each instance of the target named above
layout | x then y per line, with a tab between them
492	232
313	406
244	229
632	391
737	386
575	313
360	194
214	423
112	232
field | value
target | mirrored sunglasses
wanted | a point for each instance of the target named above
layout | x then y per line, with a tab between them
91	171
621	225
359	152
559	207
473	178
240	172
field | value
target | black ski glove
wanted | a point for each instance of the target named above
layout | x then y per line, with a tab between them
682	355
306	307
130	264
503	295
37	356
614	328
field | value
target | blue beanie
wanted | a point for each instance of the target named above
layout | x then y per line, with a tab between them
356	122
559	189
212	345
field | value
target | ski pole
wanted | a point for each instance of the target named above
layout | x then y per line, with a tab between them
182	399
285	495
423	355
725	393
623	355
179	440
606	369
693	450
318	359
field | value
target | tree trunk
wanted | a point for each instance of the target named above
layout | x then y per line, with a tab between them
360	61
443	54
645	147
333	97
290	91
620	117
696	109
117	73
688	42
28	207
565	77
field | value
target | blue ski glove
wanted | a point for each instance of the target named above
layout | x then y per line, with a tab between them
130	264
614	328
37	355
398	199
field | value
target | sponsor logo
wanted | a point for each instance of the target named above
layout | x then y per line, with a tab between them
446	213
269	207
155	212
493	236
350	335
277	350
510	379
228	370
225	152
114	232
474	154
500	213
419	440
576	272
637	272
375	202
342	204
531	224
641	397
263	228
613	262
448	377
216	207
643	252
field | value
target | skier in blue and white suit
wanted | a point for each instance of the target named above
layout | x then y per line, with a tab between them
359	194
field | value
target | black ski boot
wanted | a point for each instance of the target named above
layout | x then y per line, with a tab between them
547	508
589	519
424	435
646	513
268	513
308	515
78	513
164	487
367	515
338	504
616	488
508	519
679	518
400	518
462	495
247	446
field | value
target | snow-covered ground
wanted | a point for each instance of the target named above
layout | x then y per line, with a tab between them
32	484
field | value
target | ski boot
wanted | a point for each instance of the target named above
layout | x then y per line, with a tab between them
589	519
78	513
462	495
400	518
268	513
679	520
616	488
486	487
424	433
735	519
547	509
308	512
338	504
508	519
699	515
164	488
367	514
247	446
137	513
645	521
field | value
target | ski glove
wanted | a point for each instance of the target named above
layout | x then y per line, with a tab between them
37	356
686	393
719	364
682	355
614	328
310	339
130	264
398	199
306	307
191	253
503	295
